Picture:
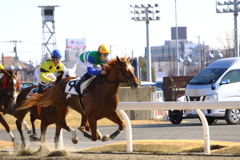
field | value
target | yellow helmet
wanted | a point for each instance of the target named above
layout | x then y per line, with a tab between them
103	49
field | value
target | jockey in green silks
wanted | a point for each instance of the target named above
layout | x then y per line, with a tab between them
89	59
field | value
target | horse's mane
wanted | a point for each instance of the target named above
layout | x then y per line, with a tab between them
10	71
113	62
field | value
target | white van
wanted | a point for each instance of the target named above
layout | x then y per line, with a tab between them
220	81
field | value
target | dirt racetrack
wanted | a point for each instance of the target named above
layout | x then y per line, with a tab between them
114	156
104	152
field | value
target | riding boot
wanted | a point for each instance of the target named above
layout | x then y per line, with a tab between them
84	78
40	88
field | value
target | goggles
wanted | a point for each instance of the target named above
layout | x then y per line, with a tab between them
105	55
57	58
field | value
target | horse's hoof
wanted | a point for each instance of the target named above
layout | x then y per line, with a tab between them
23	145
100	137
81	129
29	132
33	138
15	146
75	140
106	138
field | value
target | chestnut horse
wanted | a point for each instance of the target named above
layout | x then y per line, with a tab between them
8	86
100	98
47	115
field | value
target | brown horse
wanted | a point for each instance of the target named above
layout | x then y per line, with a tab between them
8	86
100	98
47	115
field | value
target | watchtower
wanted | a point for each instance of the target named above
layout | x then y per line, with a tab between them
48	30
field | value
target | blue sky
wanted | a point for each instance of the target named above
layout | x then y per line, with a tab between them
108	22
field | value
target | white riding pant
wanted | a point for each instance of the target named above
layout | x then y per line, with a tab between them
49	75
83	66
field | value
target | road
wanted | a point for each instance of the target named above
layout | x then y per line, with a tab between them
189	129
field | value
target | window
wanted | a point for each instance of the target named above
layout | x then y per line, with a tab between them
48	12
233	76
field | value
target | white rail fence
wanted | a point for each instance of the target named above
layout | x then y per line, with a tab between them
174	105
171	106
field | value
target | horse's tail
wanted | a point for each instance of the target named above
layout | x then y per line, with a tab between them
35	99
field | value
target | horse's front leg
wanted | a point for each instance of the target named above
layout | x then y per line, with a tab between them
57	134
85	127
33	137
26	126
93	126
114	117
7	128
44	126
62	110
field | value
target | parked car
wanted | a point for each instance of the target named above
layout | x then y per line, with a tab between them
27	84
218	82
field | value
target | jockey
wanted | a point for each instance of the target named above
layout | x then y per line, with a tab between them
88	60
44	73
1	66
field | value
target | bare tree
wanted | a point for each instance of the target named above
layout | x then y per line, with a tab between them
227	40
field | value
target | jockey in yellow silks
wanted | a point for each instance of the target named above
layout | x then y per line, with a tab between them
1	66
44	73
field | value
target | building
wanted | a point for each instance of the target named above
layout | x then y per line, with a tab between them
164	57
25	74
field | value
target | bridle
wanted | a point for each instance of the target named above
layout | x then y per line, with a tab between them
5	83
126	79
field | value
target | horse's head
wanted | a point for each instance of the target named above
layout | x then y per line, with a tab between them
70	72
125	71
9	82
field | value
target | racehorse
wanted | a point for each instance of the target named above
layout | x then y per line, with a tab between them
47	115
8	86
100	98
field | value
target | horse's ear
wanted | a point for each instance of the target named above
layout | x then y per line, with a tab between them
16	73
118	58
74	67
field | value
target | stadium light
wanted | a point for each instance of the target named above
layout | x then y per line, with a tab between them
147	13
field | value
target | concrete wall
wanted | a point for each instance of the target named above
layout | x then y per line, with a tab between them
142	94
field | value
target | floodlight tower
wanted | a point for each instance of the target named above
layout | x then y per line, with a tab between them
149	13
48	30
231	7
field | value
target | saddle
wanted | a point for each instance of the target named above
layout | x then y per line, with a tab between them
84	78
35	90
76	87
46	88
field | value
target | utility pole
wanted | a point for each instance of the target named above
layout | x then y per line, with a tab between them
15	49
199	55
2	59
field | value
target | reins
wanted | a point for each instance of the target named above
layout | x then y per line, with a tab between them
126	79
5	80
88	89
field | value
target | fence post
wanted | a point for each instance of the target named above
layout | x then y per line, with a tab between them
128	130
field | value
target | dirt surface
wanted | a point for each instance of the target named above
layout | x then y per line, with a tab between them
111	155
44	153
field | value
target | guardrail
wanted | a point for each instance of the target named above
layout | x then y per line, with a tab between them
174	105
